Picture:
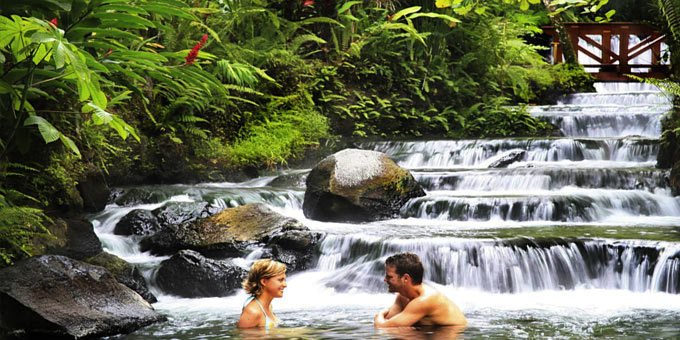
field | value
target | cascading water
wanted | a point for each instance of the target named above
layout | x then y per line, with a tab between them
577	238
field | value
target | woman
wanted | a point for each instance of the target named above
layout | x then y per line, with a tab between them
266	281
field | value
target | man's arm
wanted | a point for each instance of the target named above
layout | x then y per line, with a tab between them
396	308
412	313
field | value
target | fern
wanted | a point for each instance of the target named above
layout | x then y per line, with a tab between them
671	11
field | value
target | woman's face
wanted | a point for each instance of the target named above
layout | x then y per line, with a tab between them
275	285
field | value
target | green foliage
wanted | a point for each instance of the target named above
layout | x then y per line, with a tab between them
495	119
279	140
20	224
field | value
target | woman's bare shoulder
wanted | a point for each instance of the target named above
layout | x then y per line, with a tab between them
251	316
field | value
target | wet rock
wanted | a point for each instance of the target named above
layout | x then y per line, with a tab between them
510	157
230	233
358	185
180	212
189	274
75	239
137	196
292	181
124	272
55	296
137	222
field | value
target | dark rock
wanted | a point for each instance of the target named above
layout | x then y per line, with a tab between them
674	180
669	150
230	232
78	240
180	212
124	272
292	181
136	196
94	191
137	222
358	185
54	296
189	274
224	234
510	157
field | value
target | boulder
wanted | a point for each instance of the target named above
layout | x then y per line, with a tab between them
294	180
180	212
136	196
358	185
124	272
189	274
53	296
76	240
508	158
230	232
137	222
674	180
94	191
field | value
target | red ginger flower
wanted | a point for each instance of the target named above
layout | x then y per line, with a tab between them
191	57
54	22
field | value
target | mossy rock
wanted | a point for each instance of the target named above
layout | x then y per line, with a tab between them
227	233
124	272
358	185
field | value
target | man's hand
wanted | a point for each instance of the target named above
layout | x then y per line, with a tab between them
379	318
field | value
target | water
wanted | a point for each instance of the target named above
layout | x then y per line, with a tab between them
579	238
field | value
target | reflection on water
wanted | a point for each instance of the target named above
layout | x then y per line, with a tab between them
643	323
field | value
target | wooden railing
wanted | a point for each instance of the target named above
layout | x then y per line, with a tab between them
611	65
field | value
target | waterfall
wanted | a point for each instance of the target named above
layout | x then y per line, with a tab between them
579	228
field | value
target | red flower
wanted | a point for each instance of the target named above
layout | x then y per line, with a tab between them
54	22
191	57
306	3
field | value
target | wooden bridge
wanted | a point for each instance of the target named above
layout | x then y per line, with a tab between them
612	50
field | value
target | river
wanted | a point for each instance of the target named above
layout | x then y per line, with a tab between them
580	238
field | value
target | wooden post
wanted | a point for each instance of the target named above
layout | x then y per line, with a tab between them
656	49
624	37
606	47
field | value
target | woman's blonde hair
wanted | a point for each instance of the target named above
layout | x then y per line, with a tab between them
261	269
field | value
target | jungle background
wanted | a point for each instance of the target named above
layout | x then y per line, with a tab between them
119	92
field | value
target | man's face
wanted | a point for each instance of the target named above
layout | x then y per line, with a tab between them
393	280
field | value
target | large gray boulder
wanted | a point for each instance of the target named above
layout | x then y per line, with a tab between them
189	274
57	297
358	185
230	232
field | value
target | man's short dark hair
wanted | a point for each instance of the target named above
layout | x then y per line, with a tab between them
407	263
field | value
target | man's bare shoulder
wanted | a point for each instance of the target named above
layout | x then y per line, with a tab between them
432	295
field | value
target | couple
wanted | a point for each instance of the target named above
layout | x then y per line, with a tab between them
415	304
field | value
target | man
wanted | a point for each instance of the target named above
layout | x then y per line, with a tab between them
416	303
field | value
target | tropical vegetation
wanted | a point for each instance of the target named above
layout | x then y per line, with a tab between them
182	90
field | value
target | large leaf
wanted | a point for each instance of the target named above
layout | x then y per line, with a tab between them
434	15
405	11
48	132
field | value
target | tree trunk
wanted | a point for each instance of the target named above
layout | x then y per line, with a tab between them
568	50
